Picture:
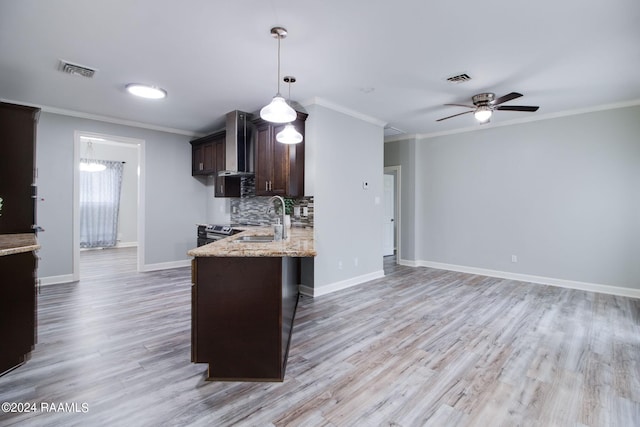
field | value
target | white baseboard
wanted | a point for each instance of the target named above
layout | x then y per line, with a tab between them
56	280
408	263
562	283
337	286
126	244
166	265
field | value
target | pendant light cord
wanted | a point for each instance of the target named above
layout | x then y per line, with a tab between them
279	37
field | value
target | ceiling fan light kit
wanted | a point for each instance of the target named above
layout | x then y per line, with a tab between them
484	104
278	111
482	114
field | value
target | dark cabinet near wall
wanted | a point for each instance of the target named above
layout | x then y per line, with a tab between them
17	168
208	158
204	156
279	167
17	233
17	308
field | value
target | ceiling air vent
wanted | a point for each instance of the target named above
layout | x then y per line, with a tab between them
460	78
76	70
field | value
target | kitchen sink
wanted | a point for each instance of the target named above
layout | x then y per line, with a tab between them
255	239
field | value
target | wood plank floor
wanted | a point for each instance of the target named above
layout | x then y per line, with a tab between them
419	347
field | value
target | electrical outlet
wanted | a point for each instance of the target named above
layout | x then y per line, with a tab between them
339	265
355	262
514	258
365	185
305	211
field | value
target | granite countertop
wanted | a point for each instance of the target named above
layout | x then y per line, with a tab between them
299	243
17	243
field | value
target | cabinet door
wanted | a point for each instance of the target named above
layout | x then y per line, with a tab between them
264	156
17	166
209	157
220	154
197	162
17	308
280	165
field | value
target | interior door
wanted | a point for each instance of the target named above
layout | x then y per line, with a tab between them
388	225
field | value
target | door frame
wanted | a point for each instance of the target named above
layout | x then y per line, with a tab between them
120	140
398	208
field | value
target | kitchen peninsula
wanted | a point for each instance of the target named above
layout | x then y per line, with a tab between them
244	298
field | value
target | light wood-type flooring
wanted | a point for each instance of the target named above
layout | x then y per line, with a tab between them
419	347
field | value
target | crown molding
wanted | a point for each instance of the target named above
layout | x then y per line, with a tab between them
344	110
106	119
475	128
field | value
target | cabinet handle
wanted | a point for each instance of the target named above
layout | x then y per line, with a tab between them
266	186
201	166
221	189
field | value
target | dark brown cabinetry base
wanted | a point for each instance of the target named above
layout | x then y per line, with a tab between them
17	309
242	315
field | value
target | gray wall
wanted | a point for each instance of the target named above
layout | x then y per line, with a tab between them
562	194
340	153
174	200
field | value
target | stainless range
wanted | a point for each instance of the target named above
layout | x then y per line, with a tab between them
210	233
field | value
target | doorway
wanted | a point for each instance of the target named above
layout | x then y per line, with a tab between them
130	236
391	216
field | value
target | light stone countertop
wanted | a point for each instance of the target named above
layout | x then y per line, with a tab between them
299	243
11	244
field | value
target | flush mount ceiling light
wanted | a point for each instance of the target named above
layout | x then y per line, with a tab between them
146	91
289	135
278	111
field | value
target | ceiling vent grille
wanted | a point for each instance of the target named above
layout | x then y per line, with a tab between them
460	78
76	70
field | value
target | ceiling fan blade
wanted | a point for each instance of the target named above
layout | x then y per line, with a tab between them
528	108
505	98
462	105
455	115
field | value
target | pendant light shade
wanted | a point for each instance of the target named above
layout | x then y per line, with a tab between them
278	111
289	135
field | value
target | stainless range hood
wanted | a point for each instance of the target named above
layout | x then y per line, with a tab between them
239	143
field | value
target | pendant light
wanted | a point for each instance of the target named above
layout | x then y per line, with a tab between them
289	135
88	164
278	111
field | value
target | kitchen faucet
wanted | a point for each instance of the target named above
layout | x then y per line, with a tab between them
284	229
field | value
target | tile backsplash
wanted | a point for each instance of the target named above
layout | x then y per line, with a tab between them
252	209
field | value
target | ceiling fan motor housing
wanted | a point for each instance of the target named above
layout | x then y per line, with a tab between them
483	98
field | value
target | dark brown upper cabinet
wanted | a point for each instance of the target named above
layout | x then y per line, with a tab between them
17	168
208	158
279	167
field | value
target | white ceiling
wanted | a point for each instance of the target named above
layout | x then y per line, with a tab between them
383	59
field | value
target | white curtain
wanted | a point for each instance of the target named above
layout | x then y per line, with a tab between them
100	204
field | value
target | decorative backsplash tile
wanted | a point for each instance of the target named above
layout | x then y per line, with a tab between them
252	209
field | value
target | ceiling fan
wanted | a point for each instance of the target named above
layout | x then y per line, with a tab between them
485	103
